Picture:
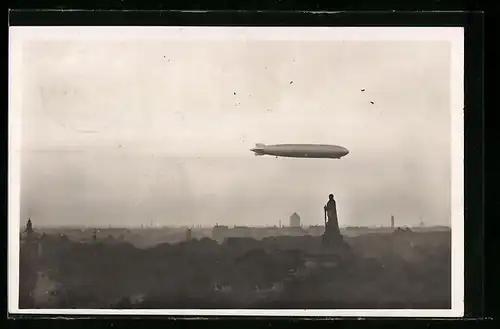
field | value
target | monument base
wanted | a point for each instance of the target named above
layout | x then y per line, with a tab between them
332	239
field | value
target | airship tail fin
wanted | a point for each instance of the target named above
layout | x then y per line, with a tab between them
260	145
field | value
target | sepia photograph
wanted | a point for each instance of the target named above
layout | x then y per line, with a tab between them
299	171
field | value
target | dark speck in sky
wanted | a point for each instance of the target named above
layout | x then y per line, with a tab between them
291	82
372	103
363	89
234	93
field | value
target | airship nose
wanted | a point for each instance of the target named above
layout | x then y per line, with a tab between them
346	151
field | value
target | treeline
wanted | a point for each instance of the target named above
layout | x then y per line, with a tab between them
384	269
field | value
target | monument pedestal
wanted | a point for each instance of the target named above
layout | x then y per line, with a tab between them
332	240
332	236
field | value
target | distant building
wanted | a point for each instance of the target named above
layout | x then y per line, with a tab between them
241	232
295	220
219	232
189	234
392	221
316	230
29	227
29	235
30	242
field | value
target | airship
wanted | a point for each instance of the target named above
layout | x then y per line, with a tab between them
301	150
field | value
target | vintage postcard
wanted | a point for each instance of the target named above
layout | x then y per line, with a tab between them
312	171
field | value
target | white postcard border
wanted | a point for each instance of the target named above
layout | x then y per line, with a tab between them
455	35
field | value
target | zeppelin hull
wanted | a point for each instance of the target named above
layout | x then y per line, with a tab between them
301	151
305	155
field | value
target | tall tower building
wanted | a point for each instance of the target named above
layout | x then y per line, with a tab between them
295	220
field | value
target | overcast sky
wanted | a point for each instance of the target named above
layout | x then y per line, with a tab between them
129	132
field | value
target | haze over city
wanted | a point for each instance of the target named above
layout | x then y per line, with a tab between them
127	132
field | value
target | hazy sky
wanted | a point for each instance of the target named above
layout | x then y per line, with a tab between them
129	132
